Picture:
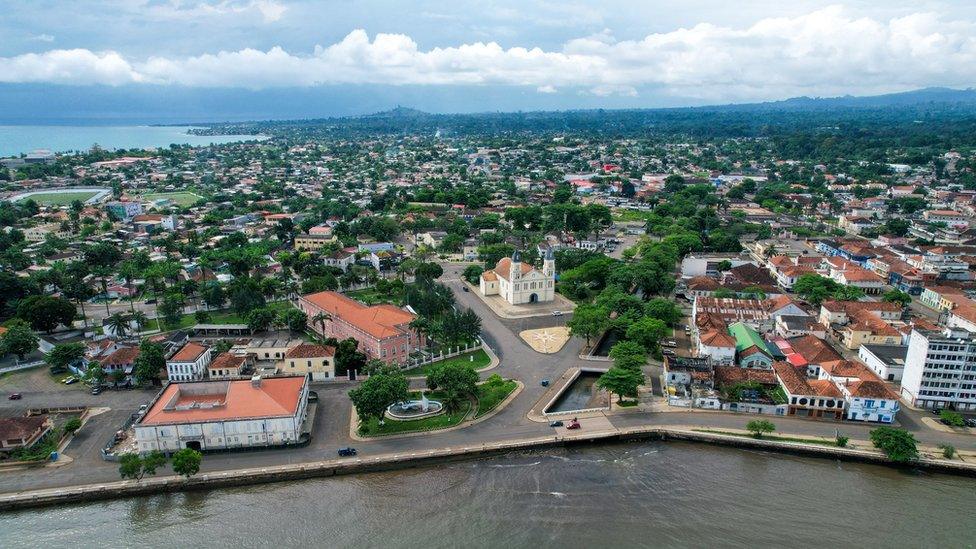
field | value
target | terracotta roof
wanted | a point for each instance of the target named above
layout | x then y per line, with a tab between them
814	349
123	355
379	321
729	375
227	361
310	350
189	353
20	427
226	400
504	265
715	338
796	383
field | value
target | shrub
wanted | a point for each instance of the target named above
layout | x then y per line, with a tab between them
72	425
842	441
898	444
948	450
952	419
758	427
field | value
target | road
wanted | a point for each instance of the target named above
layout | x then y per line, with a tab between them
331	428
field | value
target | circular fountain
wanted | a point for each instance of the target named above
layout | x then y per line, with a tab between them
414	409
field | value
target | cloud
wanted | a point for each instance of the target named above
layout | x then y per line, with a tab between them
43	38
269	10
822	52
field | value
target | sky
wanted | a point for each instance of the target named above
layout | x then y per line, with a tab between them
468	55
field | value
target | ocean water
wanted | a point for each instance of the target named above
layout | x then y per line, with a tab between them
15	140
649	494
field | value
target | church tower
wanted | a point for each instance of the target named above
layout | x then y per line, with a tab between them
515	269
549	264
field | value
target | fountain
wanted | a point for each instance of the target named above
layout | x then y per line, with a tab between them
414	409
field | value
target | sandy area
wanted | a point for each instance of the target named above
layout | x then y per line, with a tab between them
546	340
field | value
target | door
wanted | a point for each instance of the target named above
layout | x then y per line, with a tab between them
534	298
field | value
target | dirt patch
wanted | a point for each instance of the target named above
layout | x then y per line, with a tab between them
546	340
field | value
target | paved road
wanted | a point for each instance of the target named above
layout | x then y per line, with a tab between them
331	428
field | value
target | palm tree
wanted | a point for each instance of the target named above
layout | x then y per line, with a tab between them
128	270
103	273
119	323
140	319
320	319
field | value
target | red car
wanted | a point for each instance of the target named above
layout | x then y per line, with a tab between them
15	396
573	425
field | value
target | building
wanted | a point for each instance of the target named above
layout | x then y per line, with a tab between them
888	361
383	331
940	369
23	432
189	363
809	398
313	242
868	398
751	351
718	346
518	282
219	415
227	366
313	360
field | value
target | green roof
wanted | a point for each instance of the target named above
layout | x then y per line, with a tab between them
746	337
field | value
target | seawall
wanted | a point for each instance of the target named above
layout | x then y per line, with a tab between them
386	462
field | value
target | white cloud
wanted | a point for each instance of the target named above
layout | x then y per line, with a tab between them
823	52
269	10
43	38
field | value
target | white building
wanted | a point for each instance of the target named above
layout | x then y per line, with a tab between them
519	282
940	369
888	361
189	363
217	415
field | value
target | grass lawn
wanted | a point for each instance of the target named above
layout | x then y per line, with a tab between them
492	393
372	428
481	359
772	437
371	296
61	199
180	198
223	316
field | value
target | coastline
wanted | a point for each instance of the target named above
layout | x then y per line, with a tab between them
386	462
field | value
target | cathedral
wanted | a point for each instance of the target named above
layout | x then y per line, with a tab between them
519	282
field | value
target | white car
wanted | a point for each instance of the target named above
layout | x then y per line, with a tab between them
557	313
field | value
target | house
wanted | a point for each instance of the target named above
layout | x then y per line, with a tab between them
313	242
519	283
340	259
120	362
810	352
227	366
809	398
887	361
189	363
717	345
797	325
23	432
868	398
750	349
313	360
839	312
949	217
383	331
220	415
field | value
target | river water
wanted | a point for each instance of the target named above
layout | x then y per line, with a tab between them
15	140
650	494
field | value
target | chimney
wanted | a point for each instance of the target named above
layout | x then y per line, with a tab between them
256	381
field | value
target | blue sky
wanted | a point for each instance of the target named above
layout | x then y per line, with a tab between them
563	54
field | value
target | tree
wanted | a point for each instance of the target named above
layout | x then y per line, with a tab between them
952	419
348	357
119	324
816	289
588	322
140	319
172	308
18	340
898	444
295	320
186	462
130	466
648	332
63	355
213	295
152	461
621	381
759	427
724	265
72	425
629	355
150	361
259	320
897	296
456	380
472	273
375	394
44	313
95	373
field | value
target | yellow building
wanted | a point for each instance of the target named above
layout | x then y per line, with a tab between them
316	361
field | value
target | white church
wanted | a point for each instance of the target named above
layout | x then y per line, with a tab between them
519	282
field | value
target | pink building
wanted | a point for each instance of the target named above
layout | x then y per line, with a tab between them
382	331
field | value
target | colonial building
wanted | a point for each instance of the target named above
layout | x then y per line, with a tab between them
519	282
218	415
383	331
316	361
189	363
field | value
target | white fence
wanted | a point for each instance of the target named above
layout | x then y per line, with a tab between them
417	362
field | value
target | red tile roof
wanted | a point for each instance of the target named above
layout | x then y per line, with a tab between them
379	321
310	350
226	400
189	353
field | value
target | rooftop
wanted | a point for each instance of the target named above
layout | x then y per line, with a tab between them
202	401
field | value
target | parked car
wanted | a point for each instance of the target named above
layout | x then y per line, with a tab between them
557	423
96	390
15	396
668	352
70	380
557	313
669	343
143	408
971	422
465	289
347	451
544	383
936	411
573	425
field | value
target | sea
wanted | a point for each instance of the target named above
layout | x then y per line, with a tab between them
646	494
16	140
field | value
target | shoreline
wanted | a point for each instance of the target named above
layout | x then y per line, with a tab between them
408	460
